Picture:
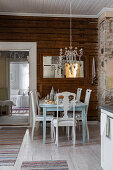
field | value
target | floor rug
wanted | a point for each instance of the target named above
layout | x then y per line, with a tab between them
20	108
10	143
14	120
45	165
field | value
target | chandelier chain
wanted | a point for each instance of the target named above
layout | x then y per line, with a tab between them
70	27
70	56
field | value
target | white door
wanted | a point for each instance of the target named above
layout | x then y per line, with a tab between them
106	144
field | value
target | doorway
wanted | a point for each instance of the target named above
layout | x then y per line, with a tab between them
14	104
19	90
23	46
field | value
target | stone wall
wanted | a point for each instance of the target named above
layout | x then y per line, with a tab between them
105	28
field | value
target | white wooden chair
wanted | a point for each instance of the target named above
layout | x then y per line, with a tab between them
65	121
35	117
37	96
78	115
79	90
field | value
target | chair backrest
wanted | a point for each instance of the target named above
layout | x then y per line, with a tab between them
79	90
33	106
87	98
37	95
63	100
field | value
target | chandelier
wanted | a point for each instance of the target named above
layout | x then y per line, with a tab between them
70	56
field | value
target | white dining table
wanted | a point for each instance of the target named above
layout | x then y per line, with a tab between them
22	101
53	107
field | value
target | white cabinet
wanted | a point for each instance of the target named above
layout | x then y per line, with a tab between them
106	140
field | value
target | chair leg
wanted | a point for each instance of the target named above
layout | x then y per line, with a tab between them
32	133
52	131
57	136
68	128
87	129
72	132
74	135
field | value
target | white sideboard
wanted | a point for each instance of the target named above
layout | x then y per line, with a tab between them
107	138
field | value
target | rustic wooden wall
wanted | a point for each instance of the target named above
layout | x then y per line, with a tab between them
51	34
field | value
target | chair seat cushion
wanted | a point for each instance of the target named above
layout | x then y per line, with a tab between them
62	122
40	118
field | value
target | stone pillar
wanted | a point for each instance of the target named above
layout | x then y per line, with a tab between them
105	40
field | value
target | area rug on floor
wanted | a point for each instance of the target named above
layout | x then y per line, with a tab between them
10	143
14	120
45	165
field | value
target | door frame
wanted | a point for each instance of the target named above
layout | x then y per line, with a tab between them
32	48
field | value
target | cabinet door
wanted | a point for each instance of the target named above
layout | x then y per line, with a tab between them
106	144
103	126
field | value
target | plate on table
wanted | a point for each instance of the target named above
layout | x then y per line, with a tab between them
50	102
45	100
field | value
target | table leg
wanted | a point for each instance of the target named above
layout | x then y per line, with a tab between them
83	125
44	125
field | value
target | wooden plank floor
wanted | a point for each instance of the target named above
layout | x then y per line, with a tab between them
80	157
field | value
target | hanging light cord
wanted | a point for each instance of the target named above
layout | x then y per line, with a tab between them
70	27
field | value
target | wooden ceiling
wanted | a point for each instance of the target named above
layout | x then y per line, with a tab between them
54	7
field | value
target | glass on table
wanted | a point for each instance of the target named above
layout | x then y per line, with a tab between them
47	96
